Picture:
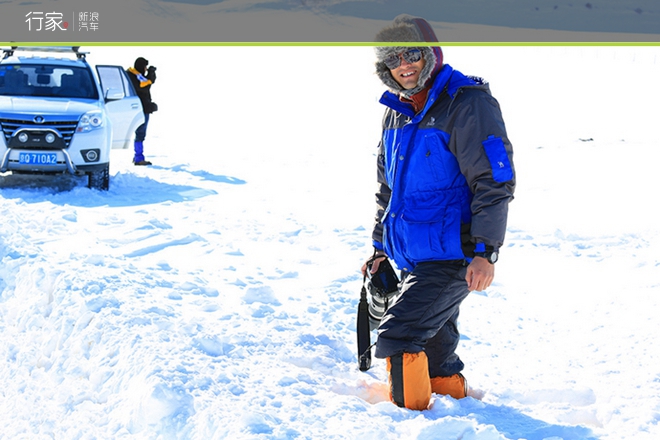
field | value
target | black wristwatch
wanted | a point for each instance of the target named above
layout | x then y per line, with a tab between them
491	256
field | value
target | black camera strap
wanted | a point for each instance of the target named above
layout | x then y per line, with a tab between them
362	327
363	331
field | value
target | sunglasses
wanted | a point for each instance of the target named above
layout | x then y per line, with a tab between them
411	56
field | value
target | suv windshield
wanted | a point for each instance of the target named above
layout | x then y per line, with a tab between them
46	80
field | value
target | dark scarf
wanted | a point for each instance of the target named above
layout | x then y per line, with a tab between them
417	100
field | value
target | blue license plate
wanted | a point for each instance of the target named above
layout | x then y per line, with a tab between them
37	158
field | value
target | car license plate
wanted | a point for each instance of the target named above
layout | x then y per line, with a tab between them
37	158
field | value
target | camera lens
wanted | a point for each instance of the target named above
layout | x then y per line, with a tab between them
383	289
378	304
377	308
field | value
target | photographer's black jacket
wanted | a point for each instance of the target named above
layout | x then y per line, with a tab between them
142	85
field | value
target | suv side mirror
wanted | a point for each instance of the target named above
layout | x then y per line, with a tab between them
113	94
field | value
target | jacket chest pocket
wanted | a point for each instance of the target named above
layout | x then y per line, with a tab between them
429	163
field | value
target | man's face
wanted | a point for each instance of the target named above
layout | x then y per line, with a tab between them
407	73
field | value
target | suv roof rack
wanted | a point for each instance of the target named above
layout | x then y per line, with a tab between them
58	49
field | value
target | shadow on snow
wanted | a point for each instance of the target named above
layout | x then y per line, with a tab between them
125	190
508	421
203	175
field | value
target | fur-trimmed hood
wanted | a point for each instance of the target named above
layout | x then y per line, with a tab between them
407	29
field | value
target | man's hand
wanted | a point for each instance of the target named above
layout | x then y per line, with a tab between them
151	73
375	262
480	274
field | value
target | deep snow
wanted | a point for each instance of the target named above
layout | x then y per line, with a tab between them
213	295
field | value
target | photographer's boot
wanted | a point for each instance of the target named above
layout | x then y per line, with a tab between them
408	377
454	386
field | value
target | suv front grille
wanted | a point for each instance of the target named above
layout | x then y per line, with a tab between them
65	128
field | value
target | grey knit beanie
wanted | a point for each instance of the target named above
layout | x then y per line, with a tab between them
407	29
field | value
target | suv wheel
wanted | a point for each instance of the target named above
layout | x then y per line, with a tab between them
99	179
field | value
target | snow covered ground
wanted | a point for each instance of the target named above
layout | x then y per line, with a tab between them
213	295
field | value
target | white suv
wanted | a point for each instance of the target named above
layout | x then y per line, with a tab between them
60	115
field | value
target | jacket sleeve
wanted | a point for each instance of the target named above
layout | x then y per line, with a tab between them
485	156
383	194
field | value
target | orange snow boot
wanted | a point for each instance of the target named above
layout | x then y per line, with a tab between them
454	386
408	377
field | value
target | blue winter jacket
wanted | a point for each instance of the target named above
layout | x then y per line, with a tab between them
446	174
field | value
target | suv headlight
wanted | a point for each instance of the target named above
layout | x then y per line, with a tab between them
90	121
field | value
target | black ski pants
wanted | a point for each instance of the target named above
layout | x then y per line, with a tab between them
424	317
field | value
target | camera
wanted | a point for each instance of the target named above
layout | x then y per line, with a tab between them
384	288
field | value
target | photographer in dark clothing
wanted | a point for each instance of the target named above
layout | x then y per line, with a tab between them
446	177
142	76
